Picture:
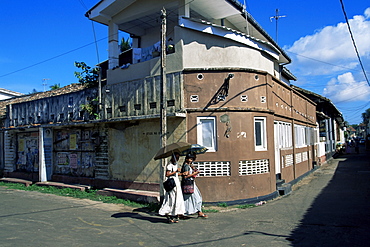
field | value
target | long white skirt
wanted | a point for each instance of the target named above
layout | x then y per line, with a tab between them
173	202
193	202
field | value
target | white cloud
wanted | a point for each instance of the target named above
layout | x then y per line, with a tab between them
346	88
367	13
332	45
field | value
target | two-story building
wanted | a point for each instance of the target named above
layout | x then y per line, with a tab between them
226	89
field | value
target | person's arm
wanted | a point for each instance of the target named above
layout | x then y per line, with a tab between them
192	175
187	171
171	173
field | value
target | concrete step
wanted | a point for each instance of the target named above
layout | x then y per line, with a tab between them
63	185
279	182
284	189
16	180
132	195
140	196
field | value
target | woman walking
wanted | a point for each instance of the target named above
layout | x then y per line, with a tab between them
173	203
193	201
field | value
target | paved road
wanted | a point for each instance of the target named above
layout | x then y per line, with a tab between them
328	208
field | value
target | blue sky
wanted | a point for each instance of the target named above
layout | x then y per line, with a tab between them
42	40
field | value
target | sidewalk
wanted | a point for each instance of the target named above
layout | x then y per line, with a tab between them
146	196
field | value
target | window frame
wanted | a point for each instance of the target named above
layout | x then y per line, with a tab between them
212	148
263	137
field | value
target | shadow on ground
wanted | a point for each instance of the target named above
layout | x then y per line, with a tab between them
340	215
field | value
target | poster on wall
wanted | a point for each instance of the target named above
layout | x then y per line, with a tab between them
62	158
27	152
21	143
73	161
73	142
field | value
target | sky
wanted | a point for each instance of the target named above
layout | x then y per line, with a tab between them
42	40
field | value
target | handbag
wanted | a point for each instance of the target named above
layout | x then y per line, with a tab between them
169	184
187	186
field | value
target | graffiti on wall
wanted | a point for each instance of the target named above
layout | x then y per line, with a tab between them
28	152
74	153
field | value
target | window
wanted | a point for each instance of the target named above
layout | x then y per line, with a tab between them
285	135
260	134
300	135
206	132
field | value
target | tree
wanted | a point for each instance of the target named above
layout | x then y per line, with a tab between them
125	44
89	76
55	86
33	91
366	116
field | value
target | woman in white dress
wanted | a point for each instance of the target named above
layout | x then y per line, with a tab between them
173	202
193	202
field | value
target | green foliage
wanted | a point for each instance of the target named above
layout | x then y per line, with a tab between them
211	210
91	108
246	206
366	116
55	86
125	44
222	204
90	194
89	76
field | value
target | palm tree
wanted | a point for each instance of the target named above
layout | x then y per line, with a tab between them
125	44
55	86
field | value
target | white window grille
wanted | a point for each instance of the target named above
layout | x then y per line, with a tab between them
213	168
288	160
206	132
298	158
251	167
304	156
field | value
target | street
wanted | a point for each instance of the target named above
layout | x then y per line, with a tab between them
330	207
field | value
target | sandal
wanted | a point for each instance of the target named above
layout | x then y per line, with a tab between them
176	220
204	216
169	219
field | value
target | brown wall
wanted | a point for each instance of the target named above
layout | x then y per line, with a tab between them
239	144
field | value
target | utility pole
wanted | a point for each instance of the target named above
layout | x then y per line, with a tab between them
163	96
277	17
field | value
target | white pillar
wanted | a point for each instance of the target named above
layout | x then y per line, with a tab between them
184	8
113	49
42	167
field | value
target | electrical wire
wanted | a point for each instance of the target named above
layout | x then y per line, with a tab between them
93	29
353	42
320	61
52	58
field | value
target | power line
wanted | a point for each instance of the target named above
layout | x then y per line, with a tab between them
320	61
354	43
93	29
52	58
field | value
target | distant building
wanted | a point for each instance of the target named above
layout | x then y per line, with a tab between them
6	94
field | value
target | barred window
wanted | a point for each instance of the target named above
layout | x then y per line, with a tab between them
213	168
252	167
